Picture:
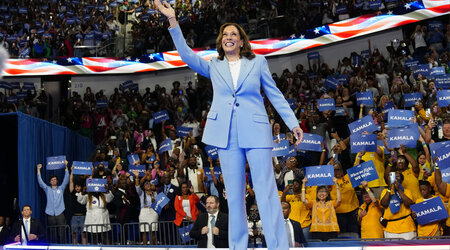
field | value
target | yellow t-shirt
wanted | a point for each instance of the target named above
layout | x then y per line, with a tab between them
432	182
370	223
426	166
447	196
299	212
323	216
379	166
429	229
411	183
400	226
349	201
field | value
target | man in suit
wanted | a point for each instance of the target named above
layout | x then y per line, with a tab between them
168	211
4	231
211	228
33	228
293	228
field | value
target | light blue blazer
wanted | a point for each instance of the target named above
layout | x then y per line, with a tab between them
254	130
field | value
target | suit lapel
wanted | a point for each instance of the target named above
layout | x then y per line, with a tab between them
224	71
246	67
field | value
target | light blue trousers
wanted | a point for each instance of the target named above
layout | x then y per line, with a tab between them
232	161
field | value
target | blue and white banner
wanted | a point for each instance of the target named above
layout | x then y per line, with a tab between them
183	131
291	103
407	136
437	71
411	98
292	153
132	158
360	142
400	118
82	168
319	175
357	60
423	69
394	203
435	146
281	148
311	142
212	152
331	82
442	82
443	98
343	78
161	201
184	233
411	63
102	103
151	158
217	171
313	55
11	99
165	146
388	106
56	162
326	104
279	137
435	24
365	98
443	157
160	116
365	53
21	95
430	211
364	124
340	111
380	143
28	85
365	171
341	9
140	168
445	175
375	4
96	185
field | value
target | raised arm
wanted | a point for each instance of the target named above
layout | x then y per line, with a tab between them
39	177
66	176
71	186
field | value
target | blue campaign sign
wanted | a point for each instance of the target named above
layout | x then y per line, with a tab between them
394	203
140	168
292	153
357	60
281	148
165	146
342	79
365	171
445	175
437	71
161	201
331	82
151	158
104	163
423	69
388	106
442	82
183	131
217	172
28	85
313	55
365	98
430	211
326	104
443	157
435	24
360	142
21	95
56	162
102	103
160	116
311	142
407	136
340	111
443	98
82	168
375	4
341	9
212	152
184	233
411	62
365	53
132	158
291	103
11	99
279	137
380	143
435	146
364	124
96	185
319	175
400	118
411	98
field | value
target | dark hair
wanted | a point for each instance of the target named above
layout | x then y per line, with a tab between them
26	205
419	154
364	191
53	176
246	49
328	192
296	180
425	183
285	202
216	199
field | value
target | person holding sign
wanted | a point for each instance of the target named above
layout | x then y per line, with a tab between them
396	200
238	125
55	198
147	214
431	229
444	190
324	225
369	214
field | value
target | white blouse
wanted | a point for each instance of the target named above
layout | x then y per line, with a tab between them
235	69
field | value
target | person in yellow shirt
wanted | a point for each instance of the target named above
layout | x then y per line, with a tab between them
410	174
378	160
430	229
400	224
324	224
299	212
424	161
369	214
347	211
444	189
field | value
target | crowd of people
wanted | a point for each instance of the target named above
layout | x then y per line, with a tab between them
49	29
186	173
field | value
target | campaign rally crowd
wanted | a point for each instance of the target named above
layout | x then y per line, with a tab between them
374	162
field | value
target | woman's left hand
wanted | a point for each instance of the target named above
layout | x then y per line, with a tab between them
298	134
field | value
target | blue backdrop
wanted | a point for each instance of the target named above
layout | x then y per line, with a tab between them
36	140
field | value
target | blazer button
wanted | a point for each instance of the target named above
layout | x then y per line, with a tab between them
234	96
237	104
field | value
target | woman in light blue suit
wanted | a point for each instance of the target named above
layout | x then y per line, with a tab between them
238	125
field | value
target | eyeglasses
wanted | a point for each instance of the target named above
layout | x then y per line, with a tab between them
401	160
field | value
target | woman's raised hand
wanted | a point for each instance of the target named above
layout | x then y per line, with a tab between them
165	9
